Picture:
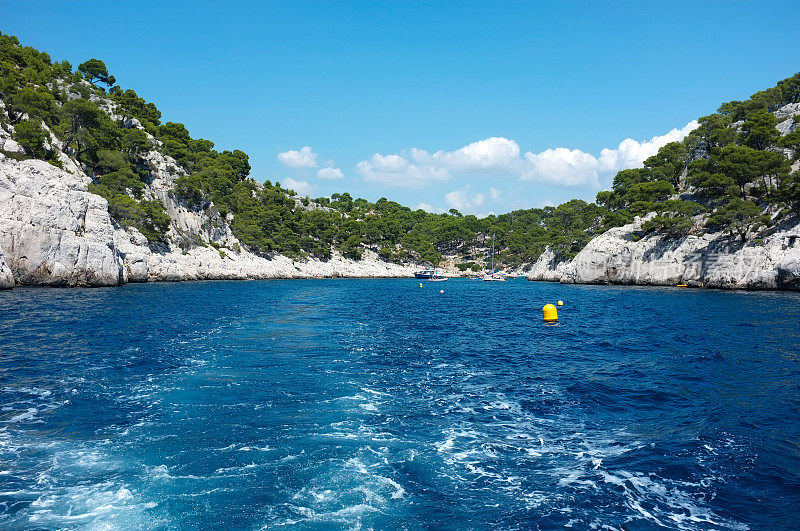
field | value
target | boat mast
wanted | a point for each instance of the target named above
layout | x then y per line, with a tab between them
492	254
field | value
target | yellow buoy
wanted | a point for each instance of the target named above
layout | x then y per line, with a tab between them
441	291
420	284
560	303
549	313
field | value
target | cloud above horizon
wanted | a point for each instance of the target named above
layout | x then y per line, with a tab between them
330	172
427	207
303	188
301	158
463	200
394	170
501	157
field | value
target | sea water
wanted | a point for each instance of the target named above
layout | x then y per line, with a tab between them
380	404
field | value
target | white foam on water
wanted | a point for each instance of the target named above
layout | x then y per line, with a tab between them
670	500
37	391
346	515
399	490
159	472
446	445
27	415
103	505
373	392
575	454
255	449
357	464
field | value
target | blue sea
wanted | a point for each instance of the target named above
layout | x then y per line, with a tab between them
380	404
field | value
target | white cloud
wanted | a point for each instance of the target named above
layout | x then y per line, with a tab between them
426	207
301	187
561	166
463	201
395	170
495	193
302	158
330	173
495	153
631	154
501	156
576	168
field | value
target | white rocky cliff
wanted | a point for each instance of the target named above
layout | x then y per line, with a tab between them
6	277
718	260
54	232
709	260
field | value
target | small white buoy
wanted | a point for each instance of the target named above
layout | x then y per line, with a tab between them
441	291
560	303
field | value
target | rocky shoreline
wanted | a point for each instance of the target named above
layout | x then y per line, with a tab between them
54	232
708	260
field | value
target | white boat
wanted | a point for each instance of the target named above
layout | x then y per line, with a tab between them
494	276
436	277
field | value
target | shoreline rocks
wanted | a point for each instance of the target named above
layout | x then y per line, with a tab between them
6	277
54	232
710	260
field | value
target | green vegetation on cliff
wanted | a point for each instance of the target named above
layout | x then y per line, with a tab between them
733	168
732	173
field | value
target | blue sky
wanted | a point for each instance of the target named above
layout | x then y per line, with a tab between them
482	106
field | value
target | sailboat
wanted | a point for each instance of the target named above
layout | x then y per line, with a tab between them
494	276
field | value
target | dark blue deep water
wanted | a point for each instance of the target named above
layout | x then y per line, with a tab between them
320	404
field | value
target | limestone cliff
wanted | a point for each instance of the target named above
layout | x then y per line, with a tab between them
6	277
54	232
709	260
623	255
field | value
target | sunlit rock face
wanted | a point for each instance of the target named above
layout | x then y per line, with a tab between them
52	230
6	277
710	260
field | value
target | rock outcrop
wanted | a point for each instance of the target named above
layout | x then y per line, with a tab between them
6	277
710	260
54	232
785	118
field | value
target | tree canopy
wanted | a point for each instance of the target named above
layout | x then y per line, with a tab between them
96	69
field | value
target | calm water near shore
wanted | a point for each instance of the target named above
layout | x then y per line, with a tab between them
379	404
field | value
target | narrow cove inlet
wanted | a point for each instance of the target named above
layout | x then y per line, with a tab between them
380	404
416	265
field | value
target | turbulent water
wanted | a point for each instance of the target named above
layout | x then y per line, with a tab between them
382	404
